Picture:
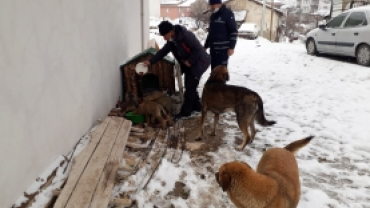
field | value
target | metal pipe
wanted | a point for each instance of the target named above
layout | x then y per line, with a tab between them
142	24
263	18
272	19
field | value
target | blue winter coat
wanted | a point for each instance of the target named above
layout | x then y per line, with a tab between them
222	32
185	47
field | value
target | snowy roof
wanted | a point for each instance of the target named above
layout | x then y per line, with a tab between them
175	2
322	12
187	3
268	6
286	6
240	15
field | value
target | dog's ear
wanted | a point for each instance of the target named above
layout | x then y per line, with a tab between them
225	181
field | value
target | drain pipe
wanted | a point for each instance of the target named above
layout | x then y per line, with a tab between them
142	24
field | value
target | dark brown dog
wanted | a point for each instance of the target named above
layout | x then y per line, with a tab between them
219	97
274	185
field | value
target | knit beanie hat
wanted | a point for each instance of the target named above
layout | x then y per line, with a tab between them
211	2
165	27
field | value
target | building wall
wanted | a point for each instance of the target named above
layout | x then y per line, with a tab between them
254	15
306	6
59	73
324	5
173	12
155	8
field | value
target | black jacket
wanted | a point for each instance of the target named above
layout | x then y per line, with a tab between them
223	32
185	47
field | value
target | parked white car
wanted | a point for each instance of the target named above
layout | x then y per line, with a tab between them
248	30
347	34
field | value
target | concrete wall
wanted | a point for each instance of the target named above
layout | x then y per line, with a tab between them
254	16
59	73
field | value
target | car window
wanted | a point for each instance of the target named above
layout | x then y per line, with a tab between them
337	21
356	19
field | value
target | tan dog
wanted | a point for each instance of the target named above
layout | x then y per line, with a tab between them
274	185
154	109
218	97
161	98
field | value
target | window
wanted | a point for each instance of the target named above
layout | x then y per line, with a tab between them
167	10
337	21
356	19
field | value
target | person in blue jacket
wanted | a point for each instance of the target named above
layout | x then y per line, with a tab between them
222	34
193	59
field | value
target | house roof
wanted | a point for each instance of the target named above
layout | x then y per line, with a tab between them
146	52
172	2
268	6
187	3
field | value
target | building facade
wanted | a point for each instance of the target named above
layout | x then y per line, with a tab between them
59	64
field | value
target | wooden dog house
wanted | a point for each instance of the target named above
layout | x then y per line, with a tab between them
131	81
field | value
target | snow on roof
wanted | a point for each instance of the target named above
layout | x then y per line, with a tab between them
187	3
171	2
268	6
322	12
240	15
286	6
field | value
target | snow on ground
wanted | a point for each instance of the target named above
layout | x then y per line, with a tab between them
306	95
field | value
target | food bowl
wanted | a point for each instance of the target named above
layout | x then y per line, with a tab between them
136	119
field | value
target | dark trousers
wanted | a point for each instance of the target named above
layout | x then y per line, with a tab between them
218	58
191	96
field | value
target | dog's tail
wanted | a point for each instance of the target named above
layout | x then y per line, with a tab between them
297	145
260	117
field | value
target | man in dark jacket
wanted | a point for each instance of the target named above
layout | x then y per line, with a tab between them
222	33
193	59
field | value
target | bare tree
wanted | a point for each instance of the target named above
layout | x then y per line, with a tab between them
197	12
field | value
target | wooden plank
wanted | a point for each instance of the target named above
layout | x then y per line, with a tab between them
85	188
106	183
80	163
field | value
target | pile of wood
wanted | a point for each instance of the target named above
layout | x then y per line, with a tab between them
116	151
91	179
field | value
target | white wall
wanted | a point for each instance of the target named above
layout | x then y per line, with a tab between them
59	72
155	8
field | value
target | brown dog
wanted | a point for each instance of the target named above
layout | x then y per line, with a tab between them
219	97
154	109
274	185
161	98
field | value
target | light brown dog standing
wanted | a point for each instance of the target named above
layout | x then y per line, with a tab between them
274	185
219	97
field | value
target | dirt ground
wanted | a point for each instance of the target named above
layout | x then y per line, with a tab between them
208	143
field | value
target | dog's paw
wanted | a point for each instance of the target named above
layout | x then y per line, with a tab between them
239	148
199	138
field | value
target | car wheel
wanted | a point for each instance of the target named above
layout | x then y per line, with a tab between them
311	47
363	55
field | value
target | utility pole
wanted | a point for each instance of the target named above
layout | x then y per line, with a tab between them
272	19
263	18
